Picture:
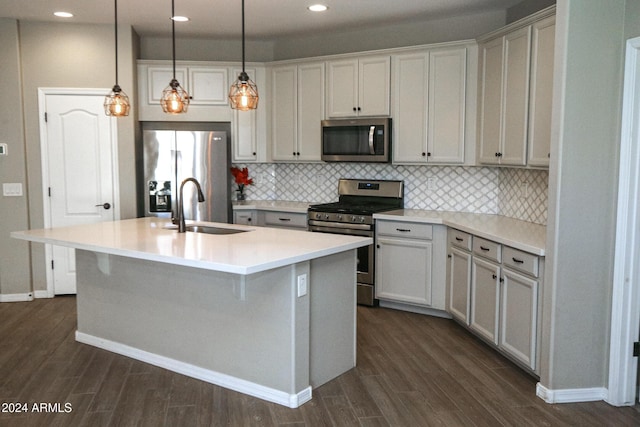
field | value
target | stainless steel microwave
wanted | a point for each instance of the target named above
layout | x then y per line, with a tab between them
356	140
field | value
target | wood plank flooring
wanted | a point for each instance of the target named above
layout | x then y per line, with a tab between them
412	370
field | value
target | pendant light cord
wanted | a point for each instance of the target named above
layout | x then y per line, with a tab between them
116	33
243	36
173	36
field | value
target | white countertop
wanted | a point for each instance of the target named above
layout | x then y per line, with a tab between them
258	249
518	234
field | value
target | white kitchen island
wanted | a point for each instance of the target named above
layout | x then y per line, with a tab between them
230	309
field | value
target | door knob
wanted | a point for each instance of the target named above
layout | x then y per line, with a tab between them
107	206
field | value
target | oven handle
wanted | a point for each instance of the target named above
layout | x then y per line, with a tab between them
332	230
340	225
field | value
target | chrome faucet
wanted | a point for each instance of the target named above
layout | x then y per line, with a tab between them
181	223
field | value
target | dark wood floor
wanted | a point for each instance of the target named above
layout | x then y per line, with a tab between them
413	370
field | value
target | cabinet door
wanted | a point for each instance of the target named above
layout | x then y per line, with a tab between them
541	93
517	55
310	110
244	135
374	81
159	77
485	297
342	88
447	77
411	94
459	284
284	113
489	134
403	270
518	330
208	85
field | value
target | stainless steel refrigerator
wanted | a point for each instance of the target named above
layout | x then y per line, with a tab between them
172	152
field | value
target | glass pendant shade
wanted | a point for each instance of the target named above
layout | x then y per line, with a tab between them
116	104
175	100
243	94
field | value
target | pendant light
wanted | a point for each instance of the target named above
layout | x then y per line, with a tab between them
116	103
175	99
243	94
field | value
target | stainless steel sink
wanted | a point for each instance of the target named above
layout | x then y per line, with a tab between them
213	230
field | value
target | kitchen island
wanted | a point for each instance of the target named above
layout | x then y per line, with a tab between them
266	312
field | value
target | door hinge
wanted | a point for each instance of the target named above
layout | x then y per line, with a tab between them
636	349
46	117
52	264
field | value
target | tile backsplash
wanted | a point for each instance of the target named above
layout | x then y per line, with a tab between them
516	193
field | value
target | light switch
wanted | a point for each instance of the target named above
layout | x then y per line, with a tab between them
302	285
12	189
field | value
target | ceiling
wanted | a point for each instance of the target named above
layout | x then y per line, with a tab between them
269	19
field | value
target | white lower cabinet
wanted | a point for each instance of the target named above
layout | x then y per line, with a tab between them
494	290
485	299
280	219
409	260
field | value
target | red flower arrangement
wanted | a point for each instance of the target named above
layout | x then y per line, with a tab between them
241	176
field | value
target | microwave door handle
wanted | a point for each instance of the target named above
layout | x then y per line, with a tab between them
371	132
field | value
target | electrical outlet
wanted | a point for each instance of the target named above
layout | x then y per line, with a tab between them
431	183
524	189
3	149
302	285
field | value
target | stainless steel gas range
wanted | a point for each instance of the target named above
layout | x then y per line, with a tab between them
352	214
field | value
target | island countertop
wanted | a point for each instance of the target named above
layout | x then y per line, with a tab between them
258	249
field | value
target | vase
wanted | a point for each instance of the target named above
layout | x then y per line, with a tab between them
240	196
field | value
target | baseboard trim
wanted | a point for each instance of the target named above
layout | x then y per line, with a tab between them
414	309
42	294
16	297
256	390
571	395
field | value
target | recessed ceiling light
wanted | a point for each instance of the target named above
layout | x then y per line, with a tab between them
180	18
63	14
317	8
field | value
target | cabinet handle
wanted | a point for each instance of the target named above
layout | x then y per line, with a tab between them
254	153
284	219
494	276
378	246
403	230
502	280
459	239
424	154
484	249
448	255
354	109
359	109
248	219
499	154
428	154
298	153
517	261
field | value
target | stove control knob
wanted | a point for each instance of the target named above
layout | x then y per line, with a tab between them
353	218
326	216
339	217
318	216
362	219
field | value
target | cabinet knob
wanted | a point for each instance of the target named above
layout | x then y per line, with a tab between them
448	255
378	246
248	219
359	109
494	276
424	154
254	153
428	154
354	109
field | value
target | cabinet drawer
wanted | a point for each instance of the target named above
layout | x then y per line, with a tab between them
409	230
460	239
519	260
285	219
487	249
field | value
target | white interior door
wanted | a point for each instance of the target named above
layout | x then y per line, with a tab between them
79	174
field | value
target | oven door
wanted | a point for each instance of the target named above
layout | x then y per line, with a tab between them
365	266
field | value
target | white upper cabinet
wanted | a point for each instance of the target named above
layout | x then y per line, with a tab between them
248	130
297	108
429	106
504	99
541	93
359	87
515	92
